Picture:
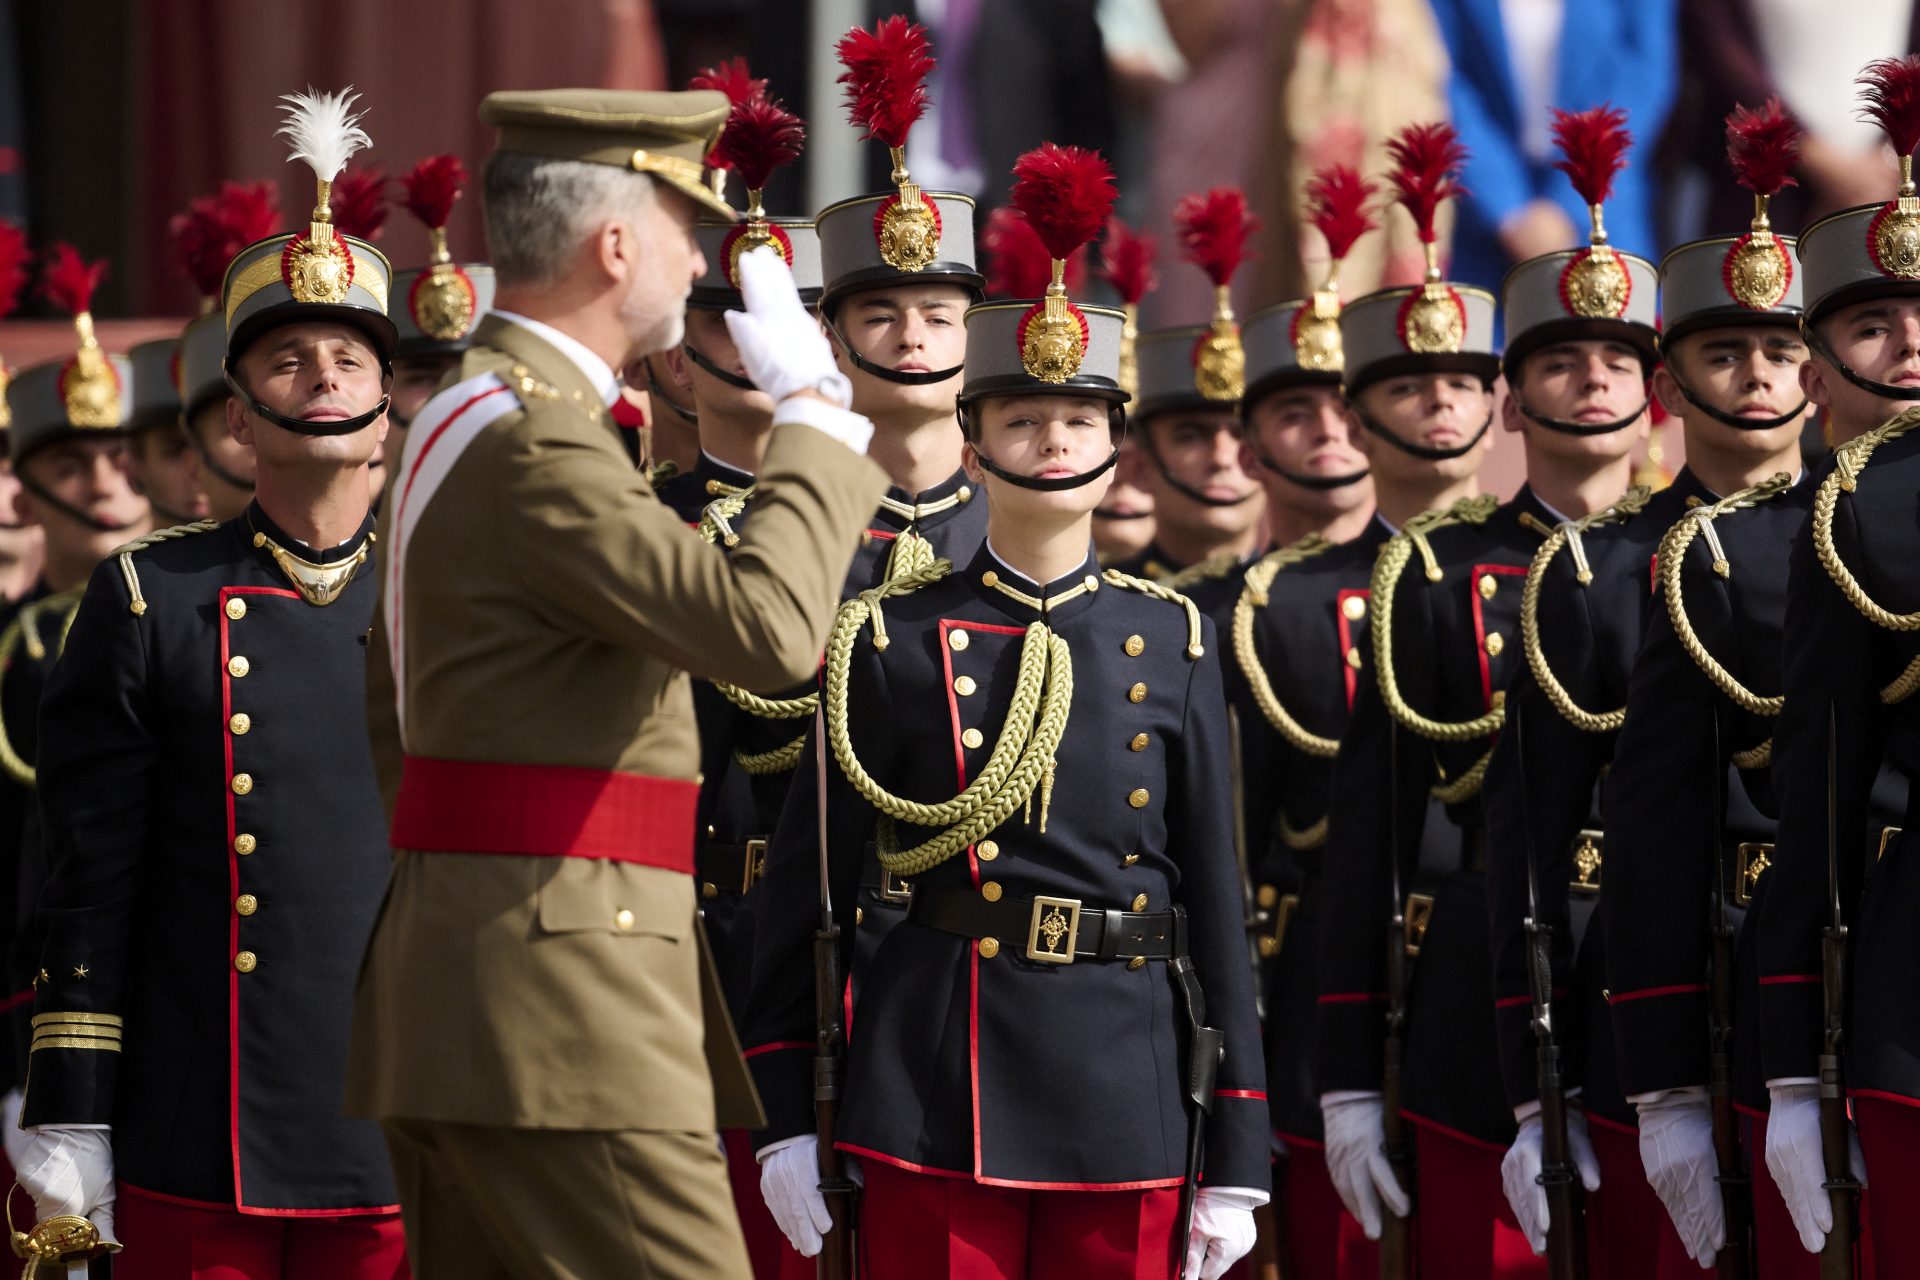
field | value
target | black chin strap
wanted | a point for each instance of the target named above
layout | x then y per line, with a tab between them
726	376
881	371
300	426
1568	427
207	460
1734	420
67	509
1322	484
1428	452
1817	343
1099	513
1181	486
1052	484
656	392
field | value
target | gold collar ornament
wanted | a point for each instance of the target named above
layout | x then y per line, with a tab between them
318	584
317	268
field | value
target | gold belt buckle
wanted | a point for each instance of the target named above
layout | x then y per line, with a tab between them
894	889
1887	836
1054	931
1419	916
1589	855
1750	862
1271	942
755	864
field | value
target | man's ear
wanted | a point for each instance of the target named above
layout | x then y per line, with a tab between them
24	510
1511	420
614	250
970	461
1813	382
239	423
1666	391
675	358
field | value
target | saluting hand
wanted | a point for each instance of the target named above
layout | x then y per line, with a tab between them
779	340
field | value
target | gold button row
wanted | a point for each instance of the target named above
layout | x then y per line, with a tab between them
964	685
246	904
1138	693
240	722
238	666
246	962
987	850
972	738
242	783
244	844
1135	646
236	608
1355	607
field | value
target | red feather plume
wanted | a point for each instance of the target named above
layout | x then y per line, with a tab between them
359	203
1593	148
731	78
1019	264
1337	198
1890	90
215	228
430	188
761	135
1126	262
1762	145
886	77
1213	227
1426	172
69	280
14	255
1066	194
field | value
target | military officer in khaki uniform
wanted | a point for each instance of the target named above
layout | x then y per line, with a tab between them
537	1024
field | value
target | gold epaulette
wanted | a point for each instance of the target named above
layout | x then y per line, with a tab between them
1162	591
526	385
1214	568
137	603
1254	596
1672	557
1568	535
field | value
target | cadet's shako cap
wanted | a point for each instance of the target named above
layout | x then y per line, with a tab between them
156	392
721	244
1595	293
88	392
1298	343
664	135
760	138
436	307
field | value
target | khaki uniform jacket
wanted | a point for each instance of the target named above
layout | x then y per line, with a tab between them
553	610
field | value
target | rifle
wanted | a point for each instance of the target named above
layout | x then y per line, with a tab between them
1206	1046
1836	1256
1736	1191
1566	1236
836	1249
1396	1245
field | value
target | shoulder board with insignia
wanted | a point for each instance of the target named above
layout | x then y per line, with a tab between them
1161	591
136	603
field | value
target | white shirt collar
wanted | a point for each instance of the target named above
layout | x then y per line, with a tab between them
1074	572
597	371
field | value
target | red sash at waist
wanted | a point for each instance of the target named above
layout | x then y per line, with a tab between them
544	810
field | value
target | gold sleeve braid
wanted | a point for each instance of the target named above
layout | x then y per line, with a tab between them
1850	459
1022	757
1254	596
1567	536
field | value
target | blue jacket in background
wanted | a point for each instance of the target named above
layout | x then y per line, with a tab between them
1618	51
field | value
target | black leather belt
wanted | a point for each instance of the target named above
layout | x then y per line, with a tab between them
730	868
1053	930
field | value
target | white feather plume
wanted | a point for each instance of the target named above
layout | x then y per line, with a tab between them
324	130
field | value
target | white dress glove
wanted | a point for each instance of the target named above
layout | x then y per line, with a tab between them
1222	1232
1520	1170
790	1184
1795	1161
1676	1150
12	1136
779	340
1357	1159
70	1170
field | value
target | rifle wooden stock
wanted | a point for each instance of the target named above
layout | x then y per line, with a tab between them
1264	1262
1396	1233
836	1250
1566	1234
1733	1262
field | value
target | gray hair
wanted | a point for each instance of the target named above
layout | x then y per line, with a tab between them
538	209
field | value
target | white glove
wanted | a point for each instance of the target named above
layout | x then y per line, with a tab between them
779	341
67	1169
12	1136
1222	1231
1520	1170
1794	1159
790	1184
1357	1158
1676	1150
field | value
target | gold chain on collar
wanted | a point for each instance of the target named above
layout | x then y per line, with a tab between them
1254	596
1394	556
1568	534
318	584
24	632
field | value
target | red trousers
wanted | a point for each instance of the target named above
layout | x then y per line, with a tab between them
1463	1229
1889	1139
168	1240
1318	1236
1629	1235
918	1226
